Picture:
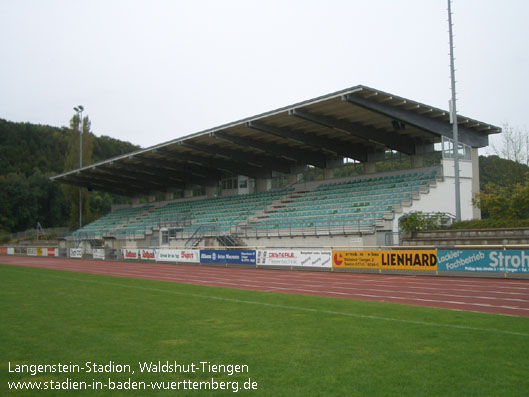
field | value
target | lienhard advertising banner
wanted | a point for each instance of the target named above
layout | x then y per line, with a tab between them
286	257
386	259
180	256
500	261
231	257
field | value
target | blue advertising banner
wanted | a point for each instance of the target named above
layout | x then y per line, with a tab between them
508	261
231	257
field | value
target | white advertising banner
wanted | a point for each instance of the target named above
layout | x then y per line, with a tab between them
32	251
130	254
76	252
147	254
174	255
98	253
286	257
10	251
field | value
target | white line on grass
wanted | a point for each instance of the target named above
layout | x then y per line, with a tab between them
290	307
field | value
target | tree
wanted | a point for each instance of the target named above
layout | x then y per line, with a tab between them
29	155
513	145
504	202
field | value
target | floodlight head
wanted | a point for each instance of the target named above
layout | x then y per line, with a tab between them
81	108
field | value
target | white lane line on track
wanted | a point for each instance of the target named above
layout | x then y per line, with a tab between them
340	290
232	284
250	284
277	284
298	308
404	280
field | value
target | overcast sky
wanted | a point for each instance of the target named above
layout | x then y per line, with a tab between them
148	71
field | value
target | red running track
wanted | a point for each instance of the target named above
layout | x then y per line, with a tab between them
487	295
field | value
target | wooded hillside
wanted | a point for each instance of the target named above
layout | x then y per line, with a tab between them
29	155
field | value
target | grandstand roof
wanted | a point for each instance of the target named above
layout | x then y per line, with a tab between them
358	123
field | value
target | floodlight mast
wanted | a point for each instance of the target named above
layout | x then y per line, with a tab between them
79	109
453	112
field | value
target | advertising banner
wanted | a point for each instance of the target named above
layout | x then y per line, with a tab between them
76	252
10	251
231	257
386	259
41	251
129	254
32	251
3	251
355	259
177	256
500	261
285	257
98	253
146	255
52	252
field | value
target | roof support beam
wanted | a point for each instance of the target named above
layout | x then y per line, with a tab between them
116	179
370	134
187	167
229	166
145	176
437	127
175	180
279	165
105	187
299	156
340	148
171	170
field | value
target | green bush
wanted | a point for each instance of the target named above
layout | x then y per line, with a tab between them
419	221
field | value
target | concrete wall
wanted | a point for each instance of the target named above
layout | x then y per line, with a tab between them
441	198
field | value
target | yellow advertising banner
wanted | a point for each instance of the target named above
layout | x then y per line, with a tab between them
386	259
356	259
39	251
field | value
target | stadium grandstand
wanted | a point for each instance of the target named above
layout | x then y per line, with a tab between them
337	170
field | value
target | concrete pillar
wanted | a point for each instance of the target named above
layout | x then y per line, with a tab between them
417	161
292	178
211	191
476	212
370	168
263	184
328	173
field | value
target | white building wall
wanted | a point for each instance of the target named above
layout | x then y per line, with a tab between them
442	197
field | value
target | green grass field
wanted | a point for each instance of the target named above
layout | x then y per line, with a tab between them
292	345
